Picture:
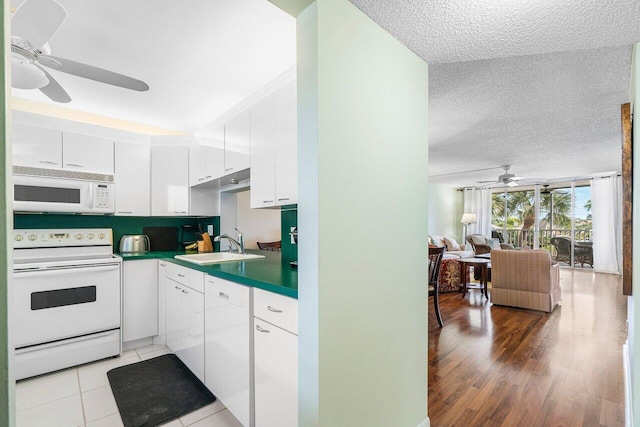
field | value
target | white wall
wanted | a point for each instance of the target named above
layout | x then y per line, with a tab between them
445	203
362	168
257	225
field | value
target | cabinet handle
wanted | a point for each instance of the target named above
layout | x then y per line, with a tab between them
48	162
75	165
180	212
180	275
273	310
207	177
126	212
163	265
266	331
283	199
267	201
228	169
185	292
200	179
223	295
177	287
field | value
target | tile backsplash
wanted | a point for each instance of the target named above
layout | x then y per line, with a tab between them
288	219
121	225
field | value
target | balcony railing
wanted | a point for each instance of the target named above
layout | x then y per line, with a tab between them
521	238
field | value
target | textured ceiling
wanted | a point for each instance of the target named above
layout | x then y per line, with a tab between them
468	30
549	116
200	58
535	84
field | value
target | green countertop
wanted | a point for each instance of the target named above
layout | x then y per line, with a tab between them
270	273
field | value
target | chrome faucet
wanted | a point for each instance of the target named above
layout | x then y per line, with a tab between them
239	247
239	244
240	240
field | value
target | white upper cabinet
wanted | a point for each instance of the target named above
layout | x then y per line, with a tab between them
36	147
263	153
83	153
237	142
170	180
206	163
132	179
274	149
286	163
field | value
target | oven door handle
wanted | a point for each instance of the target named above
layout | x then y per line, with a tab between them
62	271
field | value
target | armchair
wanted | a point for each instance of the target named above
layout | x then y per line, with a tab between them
484	245
526	279
582	252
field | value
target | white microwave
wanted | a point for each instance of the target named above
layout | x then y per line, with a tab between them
46	194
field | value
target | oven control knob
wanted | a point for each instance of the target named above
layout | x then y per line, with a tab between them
79	236
33	237
101	236
18	237
90	236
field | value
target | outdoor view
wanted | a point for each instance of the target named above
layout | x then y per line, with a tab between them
555	216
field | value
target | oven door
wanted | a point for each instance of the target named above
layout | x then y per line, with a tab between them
55	304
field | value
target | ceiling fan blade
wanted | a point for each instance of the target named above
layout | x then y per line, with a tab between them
516	178
93	73
53	90
488	182
36	21
512	184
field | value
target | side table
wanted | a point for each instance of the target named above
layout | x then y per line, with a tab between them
479	263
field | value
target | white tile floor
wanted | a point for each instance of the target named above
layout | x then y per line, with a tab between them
82	397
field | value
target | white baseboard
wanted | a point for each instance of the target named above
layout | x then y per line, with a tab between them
628	398
132	345
425	423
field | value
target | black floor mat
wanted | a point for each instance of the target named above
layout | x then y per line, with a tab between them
157	390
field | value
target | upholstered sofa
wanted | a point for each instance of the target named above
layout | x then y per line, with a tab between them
453	249
526	279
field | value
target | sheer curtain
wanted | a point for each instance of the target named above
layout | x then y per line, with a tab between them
478	201
606	212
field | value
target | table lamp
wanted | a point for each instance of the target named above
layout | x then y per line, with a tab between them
468	218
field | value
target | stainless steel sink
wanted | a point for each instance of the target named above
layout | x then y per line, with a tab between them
216	257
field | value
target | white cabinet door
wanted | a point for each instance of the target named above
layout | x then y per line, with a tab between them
227	345
192	351
169	180
85	153
174	315
161	338
140	299
237	141
132	179
286	157
263	153
276	376
205	164
36	147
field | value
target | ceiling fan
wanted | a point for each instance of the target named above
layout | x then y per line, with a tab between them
506	178
33	24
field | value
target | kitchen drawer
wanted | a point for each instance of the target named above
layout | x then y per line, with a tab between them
276	309
186	276
231	292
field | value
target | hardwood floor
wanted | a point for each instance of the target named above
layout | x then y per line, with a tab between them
502	366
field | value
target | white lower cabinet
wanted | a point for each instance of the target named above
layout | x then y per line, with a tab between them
228	345
185	316
140	299
275	361
161	338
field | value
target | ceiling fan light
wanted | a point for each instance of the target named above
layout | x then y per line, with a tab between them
512	184
26	76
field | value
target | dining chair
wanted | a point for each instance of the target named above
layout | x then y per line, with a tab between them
435	260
